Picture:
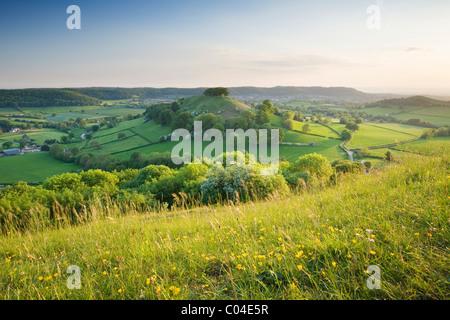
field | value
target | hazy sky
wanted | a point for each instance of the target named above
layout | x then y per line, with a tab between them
201	43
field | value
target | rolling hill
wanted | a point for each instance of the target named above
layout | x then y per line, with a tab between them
227	107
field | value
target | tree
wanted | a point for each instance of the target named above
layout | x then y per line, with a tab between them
352	126
389	156
346	135
313	163
262	117
306	128
121	135
95	144
95	128
216	92
288	124
183	120
65	139
7	145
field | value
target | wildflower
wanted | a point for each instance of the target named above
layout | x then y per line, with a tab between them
300	268
334	264
349	256
174	268
107	252
430	235
299	254
416	234
293	286
372	252
158	289
147	281
239	267
105	273
55	275
41	278
119	291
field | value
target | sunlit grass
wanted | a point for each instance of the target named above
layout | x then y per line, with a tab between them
314	245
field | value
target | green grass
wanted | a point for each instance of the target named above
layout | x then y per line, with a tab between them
315	244
436	146
38	135
439	116
227	107
32	168
375	134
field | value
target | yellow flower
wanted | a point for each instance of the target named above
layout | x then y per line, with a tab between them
119	291
293	286
176	291
430	235
147	281
354	241
392	254
41	278
239	267
372	252
153	278
300	268
416	234
334	264
174	268
158	289
55	275
107	252
349	256
105	273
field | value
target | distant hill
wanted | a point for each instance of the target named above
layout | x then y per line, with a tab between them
254	94
227	107
415	101
44	97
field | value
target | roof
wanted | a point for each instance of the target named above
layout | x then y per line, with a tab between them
11	152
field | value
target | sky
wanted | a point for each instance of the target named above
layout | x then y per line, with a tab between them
206	43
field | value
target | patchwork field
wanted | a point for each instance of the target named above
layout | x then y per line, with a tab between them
32	168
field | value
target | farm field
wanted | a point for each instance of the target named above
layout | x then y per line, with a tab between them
374	135
37	135
33	168
438	116
434	147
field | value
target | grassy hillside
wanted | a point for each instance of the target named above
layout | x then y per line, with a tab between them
227	107
314	245
426	109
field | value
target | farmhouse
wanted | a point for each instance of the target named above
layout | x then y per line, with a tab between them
15	130
11	152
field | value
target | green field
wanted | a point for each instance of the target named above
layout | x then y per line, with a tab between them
227	107
32	168
439	116
380	134
436	146
37	135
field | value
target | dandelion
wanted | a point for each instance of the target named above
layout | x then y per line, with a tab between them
41	278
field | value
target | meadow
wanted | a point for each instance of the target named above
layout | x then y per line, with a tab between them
32	168
317	244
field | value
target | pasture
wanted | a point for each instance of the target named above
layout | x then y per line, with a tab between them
33	168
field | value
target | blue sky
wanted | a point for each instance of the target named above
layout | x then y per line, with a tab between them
194	43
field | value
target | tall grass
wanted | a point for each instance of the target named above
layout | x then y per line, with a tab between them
316	244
